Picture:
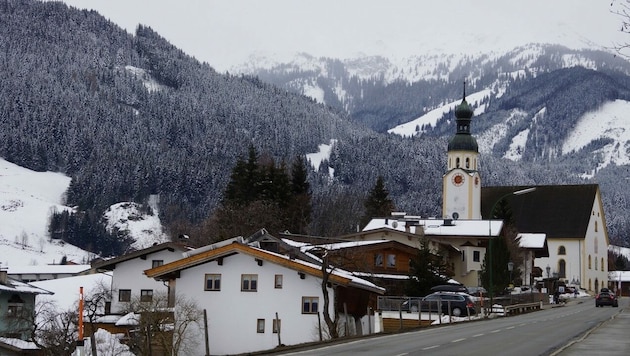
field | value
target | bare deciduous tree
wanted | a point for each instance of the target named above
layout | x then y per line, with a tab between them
162	327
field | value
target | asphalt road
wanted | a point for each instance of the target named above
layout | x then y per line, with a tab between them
576	328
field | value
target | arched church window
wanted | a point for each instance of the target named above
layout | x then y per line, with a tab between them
589	261
457	162
562	269
467	162
562	250
602	265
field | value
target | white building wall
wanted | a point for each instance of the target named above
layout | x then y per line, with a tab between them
578	250
596	247
233	314
129	275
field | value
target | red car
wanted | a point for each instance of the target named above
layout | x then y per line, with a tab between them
606	298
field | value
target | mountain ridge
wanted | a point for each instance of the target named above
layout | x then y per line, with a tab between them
73	107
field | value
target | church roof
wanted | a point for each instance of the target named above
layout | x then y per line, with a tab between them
463	142
560	211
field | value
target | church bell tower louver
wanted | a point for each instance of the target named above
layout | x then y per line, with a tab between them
461	184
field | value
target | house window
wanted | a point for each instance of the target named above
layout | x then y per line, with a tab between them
249	282
146	295
378	260
309	305
391	260
277	281
213	282
476	256
156	263
14	310
124	295
562	250
276	325
260	326
562	269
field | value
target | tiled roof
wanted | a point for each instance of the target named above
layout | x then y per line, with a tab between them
110	264
560	211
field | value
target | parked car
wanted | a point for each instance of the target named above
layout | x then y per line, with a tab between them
460	304
450	288
606	298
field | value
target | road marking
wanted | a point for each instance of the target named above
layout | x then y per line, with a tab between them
510	327
458	340
478	335
495	331
431	347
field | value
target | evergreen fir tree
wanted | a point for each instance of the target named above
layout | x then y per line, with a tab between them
299	208
428	269
377	203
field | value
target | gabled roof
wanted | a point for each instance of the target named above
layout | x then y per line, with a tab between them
432	227
560	211
14	286
111	263
360	245
535	242
171	270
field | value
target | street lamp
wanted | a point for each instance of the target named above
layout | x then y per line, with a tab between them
518	192
510	268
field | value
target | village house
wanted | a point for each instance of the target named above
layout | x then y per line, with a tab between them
572	218
268	299
128	282
17	312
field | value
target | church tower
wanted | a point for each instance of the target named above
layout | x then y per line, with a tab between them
461	185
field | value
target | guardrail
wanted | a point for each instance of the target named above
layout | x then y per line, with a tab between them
522	308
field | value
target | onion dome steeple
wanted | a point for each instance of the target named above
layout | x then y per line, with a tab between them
463	141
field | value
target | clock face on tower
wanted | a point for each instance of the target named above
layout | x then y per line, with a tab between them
458	179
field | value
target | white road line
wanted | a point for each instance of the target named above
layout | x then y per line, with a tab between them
458	340
431	347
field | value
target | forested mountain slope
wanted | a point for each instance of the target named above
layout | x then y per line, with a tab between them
128	116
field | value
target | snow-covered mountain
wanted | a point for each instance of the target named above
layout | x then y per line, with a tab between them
27	199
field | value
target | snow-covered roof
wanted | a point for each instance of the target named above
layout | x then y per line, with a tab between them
21	287
437	227
66	290
18	344
340	275
129	319
615	276
48	269
531	240
304	246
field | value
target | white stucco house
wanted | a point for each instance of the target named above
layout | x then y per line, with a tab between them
255	299
128	282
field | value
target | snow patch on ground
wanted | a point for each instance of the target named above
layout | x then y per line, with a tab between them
146	229
431	118
609	121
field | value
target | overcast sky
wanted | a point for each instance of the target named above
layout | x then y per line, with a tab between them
226	32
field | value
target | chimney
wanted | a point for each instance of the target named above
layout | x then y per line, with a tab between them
3	276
